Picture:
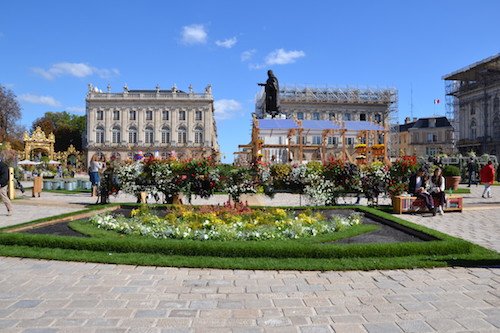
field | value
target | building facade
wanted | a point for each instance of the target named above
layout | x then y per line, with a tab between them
425	137
473	95
160	122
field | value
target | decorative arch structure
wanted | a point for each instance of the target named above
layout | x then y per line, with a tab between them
38	140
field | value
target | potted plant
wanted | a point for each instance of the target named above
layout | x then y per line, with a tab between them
452	177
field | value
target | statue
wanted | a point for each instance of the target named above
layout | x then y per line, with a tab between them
271	88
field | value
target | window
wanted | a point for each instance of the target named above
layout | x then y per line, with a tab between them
473	130
331	116
315	116
362	116
99	135
165	135
432	122
350	141
116	115
198	135
496	127
149	115
182	135
414	138
198	115
165	115
347	116
182	115
332	140
100	115
472	110
149	133
132	115
378	118
300	115
132	135
431	137
116	134
316	140
431	151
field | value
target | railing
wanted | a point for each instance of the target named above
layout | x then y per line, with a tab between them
125	95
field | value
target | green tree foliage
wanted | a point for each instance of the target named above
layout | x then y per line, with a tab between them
10	113
68	128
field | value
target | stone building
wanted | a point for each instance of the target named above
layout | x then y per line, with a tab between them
425	137
473	95
160	122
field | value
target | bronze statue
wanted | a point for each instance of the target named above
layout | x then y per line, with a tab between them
271	89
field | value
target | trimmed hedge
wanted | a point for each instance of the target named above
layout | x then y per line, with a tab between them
262	249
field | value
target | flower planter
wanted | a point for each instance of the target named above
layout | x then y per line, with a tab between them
452	182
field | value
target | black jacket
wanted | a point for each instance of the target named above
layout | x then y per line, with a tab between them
413	184
4	174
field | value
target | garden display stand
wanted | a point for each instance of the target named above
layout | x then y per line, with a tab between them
37	186
407	204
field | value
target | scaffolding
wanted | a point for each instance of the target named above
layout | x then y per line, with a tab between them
473	80
387	97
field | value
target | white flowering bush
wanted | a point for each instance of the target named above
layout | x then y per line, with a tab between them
320	191
221	224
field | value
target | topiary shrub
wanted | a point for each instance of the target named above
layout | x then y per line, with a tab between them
451	171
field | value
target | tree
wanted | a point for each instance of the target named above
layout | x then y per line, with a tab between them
67	128
10	113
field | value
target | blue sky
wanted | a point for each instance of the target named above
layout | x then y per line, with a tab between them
51	50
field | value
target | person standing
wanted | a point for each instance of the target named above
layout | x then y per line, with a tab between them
471	171
487	175
94	168
4	182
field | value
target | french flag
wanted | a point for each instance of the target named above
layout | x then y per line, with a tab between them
437	101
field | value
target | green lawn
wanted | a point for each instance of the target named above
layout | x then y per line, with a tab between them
315	253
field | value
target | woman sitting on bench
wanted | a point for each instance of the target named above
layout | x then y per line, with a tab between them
417	187
437	189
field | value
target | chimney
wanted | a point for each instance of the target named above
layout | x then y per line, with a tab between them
415	119
407	120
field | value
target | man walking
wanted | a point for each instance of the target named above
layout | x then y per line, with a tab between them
471	170
487	175
4	182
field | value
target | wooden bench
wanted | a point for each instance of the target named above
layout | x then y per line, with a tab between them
408	204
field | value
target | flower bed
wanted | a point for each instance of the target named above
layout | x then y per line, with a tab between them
225	223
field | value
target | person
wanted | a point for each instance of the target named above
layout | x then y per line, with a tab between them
59	171
437	189
487	175
417	187
4	182
271	88
94	168
471	171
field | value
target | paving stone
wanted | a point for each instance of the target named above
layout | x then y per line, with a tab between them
151	313
26	303
316	329
444	325
414	326
382	328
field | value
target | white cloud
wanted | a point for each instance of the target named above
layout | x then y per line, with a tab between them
44	100
283	57
248	54
193	34
75	109
226	108
227	43
75	69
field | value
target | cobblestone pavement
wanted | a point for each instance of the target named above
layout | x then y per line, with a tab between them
52	296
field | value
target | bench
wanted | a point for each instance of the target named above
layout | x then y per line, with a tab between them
408	204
